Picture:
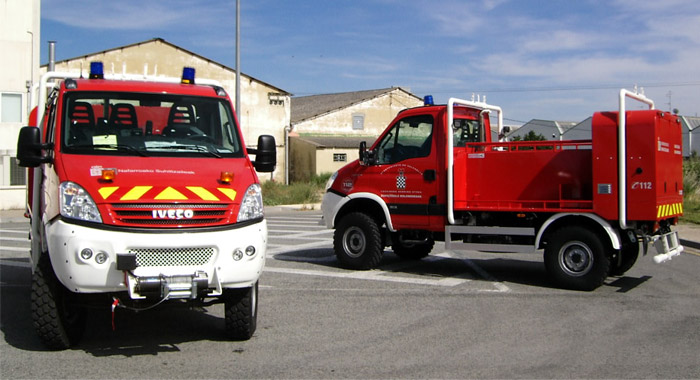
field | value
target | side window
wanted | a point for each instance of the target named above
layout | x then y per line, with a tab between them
410	137
50	115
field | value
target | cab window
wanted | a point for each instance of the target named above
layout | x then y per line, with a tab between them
466	131
410	137
144	124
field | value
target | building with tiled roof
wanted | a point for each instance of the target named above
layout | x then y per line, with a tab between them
326	129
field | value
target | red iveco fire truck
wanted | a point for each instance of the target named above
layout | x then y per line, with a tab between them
435	175
141	192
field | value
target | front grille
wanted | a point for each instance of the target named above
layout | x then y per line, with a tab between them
157	215
172	257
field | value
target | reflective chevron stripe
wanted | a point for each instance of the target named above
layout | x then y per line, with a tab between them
670	209
169	193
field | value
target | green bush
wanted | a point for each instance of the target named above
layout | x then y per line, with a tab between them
691	189
275	193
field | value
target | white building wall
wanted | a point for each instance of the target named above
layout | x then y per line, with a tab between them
19	67
377	113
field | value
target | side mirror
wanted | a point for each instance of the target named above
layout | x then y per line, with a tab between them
265	154
367	157
29	148
363	150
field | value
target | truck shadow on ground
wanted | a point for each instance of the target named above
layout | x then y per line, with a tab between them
497	269
136	333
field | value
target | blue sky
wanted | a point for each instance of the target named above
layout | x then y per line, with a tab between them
553	59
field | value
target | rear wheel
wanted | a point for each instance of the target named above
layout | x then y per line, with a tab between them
57	319
412	251
357	241
241	312
624	259
577	259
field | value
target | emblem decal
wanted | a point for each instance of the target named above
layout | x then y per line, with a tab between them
173	214
400	180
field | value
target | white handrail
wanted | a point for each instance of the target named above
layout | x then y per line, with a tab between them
622	152
450	152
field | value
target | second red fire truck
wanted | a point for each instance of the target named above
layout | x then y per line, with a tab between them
590	205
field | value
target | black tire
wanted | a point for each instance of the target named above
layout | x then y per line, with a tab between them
624	259
577	259
414	251
357	242
58	321
241	312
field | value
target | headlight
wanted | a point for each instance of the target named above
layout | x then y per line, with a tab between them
76	203
252	204
330	181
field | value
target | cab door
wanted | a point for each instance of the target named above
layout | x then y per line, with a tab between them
405	173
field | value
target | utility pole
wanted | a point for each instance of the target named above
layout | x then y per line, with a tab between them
238	59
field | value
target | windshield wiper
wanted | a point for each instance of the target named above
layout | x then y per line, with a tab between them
121	147
196	148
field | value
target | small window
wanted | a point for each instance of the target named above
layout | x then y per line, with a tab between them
18	174
358	121
340	157
11	108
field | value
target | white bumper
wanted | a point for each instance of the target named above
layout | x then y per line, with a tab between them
177	254
329	206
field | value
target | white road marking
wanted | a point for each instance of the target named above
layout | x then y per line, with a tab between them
373	275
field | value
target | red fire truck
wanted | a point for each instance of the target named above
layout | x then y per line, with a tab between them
436	175
141	192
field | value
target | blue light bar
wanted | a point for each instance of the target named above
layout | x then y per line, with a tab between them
428	100
187	75
96	70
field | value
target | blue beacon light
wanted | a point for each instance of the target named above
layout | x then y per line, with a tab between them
96	70
428	100
187	75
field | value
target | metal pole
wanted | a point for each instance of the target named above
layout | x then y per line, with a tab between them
238	59
52	55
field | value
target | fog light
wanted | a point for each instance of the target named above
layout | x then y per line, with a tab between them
101	258
237	254
250	250
86	253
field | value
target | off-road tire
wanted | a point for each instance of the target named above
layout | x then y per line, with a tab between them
415	251
576	258
241	312
624	259
59	323
357	242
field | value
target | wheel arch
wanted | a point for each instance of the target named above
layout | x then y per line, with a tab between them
591	221
367	202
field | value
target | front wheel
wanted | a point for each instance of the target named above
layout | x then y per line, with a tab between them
357	241
57	319
241	312
576	259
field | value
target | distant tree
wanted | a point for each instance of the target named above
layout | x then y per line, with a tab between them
532	136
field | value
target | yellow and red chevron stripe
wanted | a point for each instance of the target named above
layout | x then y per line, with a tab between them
168	193
670	209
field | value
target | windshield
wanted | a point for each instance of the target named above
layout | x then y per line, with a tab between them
112	123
